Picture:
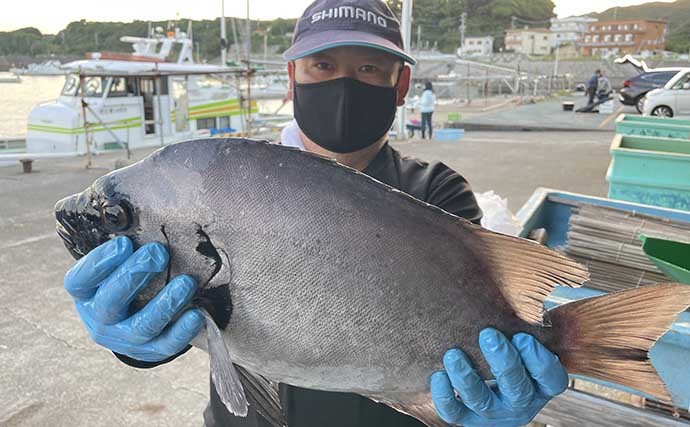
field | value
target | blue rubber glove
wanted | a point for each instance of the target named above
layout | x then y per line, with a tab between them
103	285
527	377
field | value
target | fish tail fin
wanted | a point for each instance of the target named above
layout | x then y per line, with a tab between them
609	337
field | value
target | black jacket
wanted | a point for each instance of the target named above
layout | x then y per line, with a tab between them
433	183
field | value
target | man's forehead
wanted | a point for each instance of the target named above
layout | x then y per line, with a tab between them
360	52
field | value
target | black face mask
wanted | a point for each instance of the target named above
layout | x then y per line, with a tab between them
344	115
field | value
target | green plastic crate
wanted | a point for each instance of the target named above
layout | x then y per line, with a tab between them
453	117
653	126
651	171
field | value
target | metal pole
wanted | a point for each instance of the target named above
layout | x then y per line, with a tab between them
238	57
266	44
82	88
249	34
463	19
555	66
419	37
223	35
486	88
469	96
406	27
248	131
157	84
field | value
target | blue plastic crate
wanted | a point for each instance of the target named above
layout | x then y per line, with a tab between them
449	135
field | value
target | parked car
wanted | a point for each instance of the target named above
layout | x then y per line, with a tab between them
635	89
671	100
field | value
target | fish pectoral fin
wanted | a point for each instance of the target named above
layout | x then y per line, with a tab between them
420	407
223	372
262	395
524	271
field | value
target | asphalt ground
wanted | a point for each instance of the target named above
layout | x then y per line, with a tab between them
52	374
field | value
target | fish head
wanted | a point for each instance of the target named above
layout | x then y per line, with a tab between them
162	198
140	201
90	218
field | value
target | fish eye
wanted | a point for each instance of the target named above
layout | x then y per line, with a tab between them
116	215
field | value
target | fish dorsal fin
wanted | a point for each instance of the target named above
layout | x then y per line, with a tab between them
526	272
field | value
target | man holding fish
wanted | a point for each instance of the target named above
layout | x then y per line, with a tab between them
348	73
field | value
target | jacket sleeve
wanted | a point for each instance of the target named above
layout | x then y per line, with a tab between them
451	192
147	365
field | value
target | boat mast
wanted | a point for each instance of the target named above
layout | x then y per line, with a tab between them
223	37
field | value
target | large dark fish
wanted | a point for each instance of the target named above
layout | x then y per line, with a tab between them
323	278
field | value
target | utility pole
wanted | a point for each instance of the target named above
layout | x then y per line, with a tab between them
463	27
223	37
513	19
406	27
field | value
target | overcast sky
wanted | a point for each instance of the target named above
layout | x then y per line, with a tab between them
50	16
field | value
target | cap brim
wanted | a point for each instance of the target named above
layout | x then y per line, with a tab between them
318	42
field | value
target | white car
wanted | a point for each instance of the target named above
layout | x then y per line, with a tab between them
671	100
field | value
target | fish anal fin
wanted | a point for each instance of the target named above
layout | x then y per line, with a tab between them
263	396
526	272
420	407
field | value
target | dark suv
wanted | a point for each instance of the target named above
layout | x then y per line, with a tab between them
636	88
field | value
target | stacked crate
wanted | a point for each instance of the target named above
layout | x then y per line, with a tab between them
650	162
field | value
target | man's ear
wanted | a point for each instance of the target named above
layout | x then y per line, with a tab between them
291	76
403	85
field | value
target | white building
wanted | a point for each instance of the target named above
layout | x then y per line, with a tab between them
530	41
569	30
478	46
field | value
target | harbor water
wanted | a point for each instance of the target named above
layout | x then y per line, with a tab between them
17	99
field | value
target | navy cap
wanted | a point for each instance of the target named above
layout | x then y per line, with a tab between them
326	24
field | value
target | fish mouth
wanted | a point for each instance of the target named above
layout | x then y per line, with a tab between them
68	241
78	226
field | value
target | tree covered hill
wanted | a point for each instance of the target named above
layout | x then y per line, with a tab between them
439	21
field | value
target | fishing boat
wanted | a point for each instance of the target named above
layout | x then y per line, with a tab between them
140	99
47	68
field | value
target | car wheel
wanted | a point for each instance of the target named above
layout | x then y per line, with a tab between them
662	111
639	105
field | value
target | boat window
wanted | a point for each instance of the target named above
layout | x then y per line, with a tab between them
224	122
71	85
93	86
118	87
209	123
164	86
